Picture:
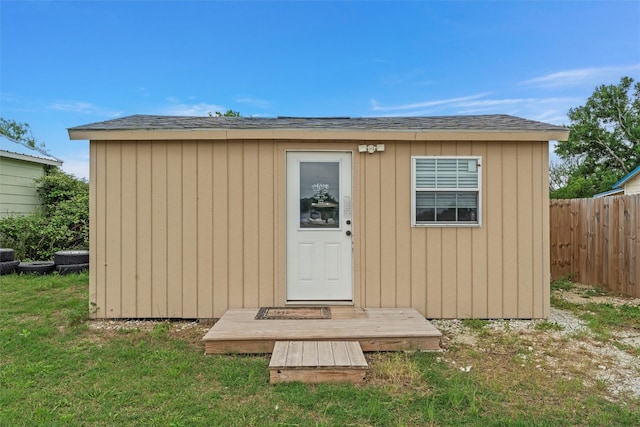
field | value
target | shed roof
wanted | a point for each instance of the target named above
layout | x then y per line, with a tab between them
627	177
137	126
18	150
618	187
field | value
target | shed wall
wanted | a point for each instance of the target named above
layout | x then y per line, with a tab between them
633	185
18	194
188	229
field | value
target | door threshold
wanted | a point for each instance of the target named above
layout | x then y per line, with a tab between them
317	303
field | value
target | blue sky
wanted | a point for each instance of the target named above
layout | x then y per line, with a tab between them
66	63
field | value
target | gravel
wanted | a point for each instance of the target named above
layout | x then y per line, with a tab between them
569	350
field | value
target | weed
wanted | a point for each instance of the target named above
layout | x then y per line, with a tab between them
595	292
161	329
564	284
547	325
475	324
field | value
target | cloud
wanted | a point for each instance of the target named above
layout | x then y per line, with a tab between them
550	109
376	106
199	109
582	76
77	165
82	107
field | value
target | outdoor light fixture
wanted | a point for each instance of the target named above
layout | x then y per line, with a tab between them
370	148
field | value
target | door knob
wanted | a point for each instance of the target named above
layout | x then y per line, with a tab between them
348	232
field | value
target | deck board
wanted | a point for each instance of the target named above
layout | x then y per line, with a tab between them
316	362
377	329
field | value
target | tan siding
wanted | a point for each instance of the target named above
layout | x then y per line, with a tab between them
266	217
205	229
371	207
492	223
236	223
388	228
479	241
541	268
220	229
143	227
191	228
510	185
113	231
159	230
190	234
174	229
525	229
97	192
128	229
251	215
403	231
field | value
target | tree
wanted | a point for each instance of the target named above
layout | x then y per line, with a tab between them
62	223
604	139
20	132
228	113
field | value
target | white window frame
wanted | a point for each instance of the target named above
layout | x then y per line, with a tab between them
415	189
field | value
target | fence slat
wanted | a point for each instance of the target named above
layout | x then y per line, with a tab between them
597	241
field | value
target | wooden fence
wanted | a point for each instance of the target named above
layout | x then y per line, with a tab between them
597	241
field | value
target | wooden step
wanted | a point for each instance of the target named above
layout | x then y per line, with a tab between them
314	362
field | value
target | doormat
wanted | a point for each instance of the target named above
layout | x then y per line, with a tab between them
293	313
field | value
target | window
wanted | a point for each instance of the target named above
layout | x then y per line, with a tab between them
446	190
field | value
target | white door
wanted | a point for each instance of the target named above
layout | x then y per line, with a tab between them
319	249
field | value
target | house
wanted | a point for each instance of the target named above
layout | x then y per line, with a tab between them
191	216
629	184
20	166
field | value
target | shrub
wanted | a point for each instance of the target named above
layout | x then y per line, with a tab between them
62	223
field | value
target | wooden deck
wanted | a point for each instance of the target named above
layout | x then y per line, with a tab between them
376	329
314	362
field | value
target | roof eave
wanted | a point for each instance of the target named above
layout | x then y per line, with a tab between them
28	158
627	177
318	134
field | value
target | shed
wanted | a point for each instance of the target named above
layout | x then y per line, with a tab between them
191	216
20	166
628	184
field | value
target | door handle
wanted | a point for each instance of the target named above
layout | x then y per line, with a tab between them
348	232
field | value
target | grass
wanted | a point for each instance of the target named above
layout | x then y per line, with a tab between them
55	370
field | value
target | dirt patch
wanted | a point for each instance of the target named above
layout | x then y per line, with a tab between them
562	346
583	294
189	331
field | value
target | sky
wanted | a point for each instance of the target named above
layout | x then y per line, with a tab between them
69	63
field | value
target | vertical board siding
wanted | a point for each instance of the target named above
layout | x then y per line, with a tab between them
372	230
596	240
266	218
128	230
220	229
143	227
113	230
174	229
188	229
190	235
205	236
388	228
159	227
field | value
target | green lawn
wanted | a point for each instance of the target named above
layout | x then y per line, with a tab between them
56	370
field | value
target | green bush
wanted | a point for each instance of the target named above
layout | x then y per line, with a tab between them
62	223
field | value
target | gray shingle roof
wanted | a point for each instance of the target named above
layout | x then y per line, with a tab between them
494	123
